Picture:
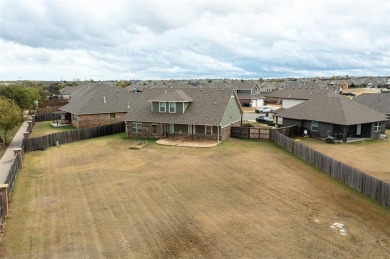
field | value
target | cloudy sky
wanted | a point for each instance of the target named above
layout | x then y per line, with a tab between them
118	39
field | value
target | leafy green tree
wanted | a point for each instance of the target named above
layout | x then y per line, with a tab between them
122	83
10	116
54	89
23	96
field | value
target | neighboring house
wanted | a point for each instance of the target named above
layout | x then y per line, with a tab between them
193	113
68	91
96	106
335	114
293	96
379	102
248	100
248	93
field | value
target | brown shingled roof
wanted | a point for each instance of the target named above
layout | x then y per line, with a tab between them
331	108
172	95
207	107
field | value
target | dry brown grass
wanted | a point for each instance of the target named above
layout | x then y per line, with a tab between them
371	156
359	91
99	199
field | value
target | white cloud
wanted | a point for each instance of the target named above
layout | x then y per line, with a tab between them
46	39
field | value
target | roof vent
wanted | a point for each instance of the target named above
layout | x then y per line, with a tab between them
223	89
128	105
104	99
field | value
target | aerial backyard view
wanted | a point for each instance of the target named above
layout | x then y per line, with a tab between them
98	198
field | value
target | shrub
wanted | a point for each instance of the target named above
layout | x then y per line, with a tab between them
248	124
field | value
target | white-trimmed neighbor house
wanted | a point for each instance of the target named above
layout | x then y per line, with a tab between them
186	113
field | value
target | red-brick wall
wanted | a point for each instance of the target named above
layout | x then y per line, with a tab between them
94	120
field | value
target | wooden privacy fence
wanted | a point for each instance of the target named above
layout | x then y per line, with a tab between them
47	117
261	133
32	144
364	183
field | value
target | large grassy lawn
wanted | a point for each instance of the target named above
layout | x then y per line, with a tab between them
99	199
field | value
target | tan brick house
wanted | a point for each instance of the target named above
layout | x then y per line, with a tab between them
97	105
189	113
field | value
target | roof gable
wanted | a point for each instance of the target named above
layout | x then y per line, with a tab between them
172	95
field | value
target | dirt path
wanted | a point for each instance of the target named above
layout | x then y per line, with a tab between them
99	199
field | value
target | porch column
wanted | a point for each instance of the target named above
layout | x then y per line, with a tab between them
217	133
4	200
345	130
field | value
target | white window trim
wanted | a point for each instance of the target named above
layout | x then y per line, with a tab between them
138	127
164	106
377	127
174	107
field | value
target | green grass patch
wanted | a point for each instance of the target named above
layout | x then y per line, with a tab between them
45	128
10	136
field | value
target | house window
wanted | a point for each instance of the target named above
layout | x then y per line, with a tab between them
209	130
75	117
112	115
199	129
314	125
163	107
377	126
181	128
154	129
172	107
136	127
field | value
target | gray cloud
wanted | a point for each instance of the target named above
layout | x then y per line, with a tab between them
45	39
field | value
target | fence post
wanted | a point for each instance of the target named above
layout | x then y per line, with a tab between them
18	154
4	200
33	118
30	125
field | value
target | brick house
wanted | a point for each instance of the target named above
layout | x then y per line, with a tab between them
96	106
334	114
189	113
